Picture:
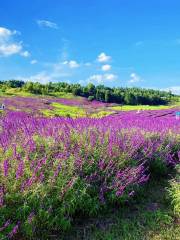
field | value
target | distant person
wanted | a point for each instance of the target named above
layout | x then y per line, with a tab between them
177	115
2	106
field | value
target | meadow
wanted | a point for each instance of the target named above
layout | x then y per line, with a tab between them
75	169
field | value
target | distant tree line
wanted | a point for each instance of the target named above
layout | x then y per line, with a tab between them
120	95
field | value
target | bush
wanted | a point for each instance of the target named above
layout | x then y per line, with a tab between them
90	98
174	192
158	167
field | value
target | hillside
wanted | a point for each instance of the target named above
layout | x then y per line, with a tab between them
79	169
125	96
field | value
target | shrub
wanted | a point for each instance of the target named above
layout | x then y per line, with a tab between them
174	192
90	98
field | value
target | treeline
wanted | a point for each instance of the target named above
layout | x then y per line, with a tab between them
132	96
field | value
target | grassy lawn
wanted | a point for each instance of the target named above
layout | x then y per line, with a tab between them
20	93
64	111
73	111
100	114
64	95
149	216
16	92
140	107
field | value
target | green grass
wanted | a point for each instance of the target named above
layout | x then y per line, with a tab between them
64	111
64	95
100	114
140	107
177	103
174	192
72	111
21	93
148	216
1	93
17	92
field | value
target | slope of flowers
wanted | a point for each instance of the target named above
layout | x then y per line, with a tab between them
40	105
54	168
27	104
35	103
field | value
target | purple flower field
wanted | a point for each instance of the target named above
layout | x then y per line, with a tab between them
53	168
35	103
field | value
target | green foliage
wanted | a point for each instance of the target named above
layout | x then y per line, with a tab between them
107	97
158	167
100	114
12	83
64	111
174	192
127	96
135	220
90	98
140	107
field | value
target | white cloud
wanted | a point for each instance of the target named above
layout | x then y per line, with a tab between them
34	61
6	33
106	67
71	64
54	72
25	54
41	77
45	23
102	78
110	77
95	78
44	77
8	46
134	78
10	49
103	57
173	89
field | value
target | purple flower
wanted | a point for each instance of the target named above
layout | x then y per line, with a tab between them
5	225
30	217
131	193
14	230
6	167
20	169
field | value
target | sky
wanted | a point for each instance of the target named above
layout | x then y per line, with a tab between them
111	42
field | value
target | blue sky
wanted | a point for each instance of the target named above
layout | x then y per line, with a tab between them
111	42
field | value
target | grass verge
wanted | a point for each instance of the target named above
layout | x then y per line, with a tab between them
64	111
140	107
148	216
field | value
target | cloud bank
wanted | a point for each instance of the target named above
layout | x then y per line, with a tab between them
8	46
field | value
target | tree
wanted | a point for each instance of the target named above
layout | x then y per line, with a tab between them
28	87
90	98
107	96
130	99
120	95
91	89
76	91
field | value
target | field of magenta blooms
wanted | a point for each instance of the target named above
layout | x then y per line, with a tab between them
53	169
36	105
